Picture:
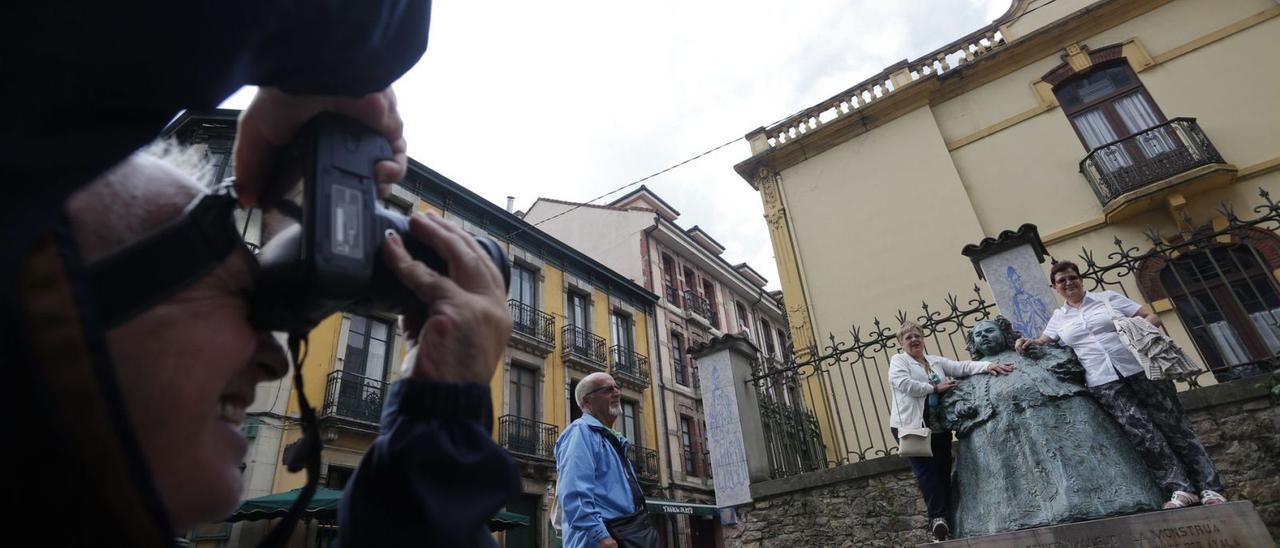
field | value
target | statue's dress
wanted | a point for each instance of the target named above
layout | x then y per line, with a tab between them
1035	449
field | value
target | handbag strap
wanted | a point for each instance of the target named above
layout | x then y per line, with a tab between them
637	496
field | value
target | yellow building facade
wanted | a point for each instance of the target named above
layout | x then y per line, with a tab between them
572	316
1094	120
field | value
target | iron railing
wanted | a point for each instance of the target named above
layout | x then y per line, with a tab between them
1153	155
353	397
645	461
681	371
583	345
699	305
673	295
831	408
527	437
532	322
629	366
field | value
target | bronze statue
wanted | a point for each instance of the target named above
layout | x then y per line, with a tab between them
1034	448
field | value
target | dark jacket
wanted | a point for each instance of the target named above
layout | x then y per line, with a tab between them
86	84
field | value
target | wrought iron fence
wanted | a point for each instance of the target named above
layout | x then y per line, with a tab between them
1163	151
831	408
352	396
629	366
532	322
527	437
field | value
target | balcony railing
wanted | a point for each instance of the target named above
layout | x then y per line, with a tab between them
584	348
1164	151
629	366
673	296
527	438
532	323
699	305
645	462
353	397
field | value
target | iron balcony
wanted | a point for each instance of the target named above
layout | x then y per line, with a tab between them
1171	154
532	329
629	367
527	439
645	462
700	306
583	350
353	400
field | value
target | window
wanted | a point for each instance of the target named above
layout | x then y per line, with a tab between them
744	322
629	424
337	477
620	328
1108	104
767	331
577	317
709	291
690	281
524	285
686	445
367	342
784	346
677	359
1230	304
524	392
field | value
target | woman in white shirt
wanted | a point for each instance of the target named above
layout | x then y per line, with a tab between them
1148	411
916	382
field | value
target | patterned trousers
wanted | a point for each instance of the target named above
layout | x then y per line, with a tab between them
1150	413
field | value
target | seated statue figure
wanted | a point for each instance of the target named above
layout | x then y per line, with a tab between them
1034	448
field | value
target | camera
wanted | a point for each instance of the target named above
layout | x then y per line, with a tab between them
329	260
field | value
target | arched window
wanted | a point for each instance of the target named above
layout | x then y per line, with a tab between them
1228	299
1107	106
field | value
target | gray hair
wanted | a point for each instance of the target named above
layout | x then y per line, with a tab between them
587	384
129	201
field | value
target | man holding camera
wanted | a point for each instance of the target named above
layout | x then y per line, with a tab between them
132	430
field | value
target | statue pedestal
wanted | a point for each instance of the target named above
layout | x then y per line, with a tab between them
1230	525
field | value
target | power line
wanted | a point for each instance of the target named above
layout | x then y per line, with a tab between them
709	151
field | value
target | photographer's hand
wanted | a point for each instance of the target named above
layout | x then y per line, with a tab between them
469	323
273	119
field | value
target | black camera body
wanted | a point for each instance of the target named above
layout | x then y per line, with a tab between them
330	261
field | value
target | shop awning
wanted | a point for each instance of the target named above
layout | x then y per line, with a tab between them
324	506
668	506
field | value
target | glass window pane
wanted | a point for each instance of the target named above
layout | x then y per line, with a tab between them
377	360
358	324
379	331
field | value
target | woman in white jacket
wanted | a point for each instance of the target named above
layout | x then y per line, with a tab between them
916	382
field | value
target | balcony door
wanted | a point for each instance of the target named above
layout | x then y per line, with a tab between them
577	317
364	368
524	286
523	434
1109	104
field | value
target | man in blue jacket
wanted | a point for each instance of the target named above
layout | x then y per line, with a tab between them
599	494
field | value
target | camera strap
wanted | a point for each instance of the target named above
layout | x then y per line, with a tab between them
306	456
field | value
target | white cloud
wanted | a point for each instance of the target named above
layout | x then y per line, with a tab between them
571	99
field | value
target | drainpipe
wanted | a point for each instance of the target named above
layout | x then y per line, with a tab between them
664	440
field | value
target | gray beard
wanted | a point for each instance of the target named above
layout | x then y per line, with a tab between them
615	411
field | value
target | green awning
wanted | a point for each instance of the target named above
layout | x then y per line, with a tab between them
324	506
668	506
507	520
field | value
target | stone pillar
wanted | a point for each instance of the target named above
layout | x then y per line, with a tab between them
735	434
1010	263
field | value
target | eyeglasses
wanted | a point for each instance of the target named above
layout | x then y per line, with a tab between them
611	388
1068	278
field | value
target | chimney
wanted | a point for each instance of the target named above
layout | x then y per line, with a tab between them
511	204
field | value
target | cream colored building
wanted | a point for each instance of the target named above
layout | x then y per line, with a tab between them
701	296
1092	119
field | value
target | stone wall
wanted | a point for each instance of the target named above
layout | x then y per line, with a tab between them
875	502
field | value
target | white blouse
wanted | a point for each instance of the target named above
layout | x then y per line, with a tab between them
1088	330
909	385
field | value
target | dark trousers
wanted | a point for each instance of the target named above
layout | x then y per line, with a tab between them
933	474
1151	415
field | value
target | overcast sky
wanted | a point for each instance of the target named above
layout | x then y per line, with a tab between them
573	98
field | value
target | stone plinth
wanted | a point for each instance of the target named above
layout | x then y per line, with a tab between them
1231	525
